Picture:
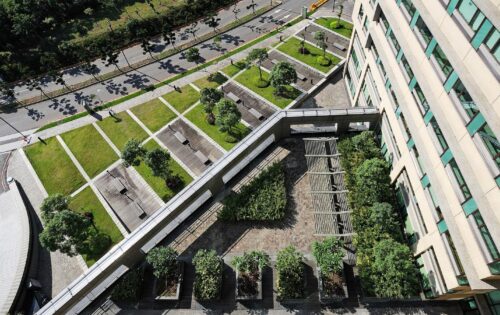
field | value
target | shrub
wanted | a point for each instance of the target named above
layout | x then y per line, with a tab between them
163	260
372	183
290	269
264	198
52	204
324	61
208	274
329	254
251	262
230	139
132	152
335	24
128	287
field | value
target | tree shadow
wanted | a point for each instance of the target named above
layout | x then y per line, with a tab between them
171	68
115	88
137	81
34	114
231	39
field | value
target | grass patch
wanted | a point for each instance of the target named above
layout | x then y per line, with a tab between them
264	198
122	129
86	201
291	47
212	81
90	149
157	183
154	114
197	116
184	99
250	79
54	167
344	29
232	70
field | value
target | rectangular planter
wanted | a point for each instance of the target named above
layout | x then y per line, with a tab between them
179	285
323	296
257	296
292	301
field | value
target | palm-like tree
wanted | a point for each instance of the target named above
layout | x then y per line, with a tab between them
168	34
147	47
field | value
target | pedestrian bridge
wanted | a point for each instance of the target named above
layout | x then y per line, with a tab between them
86	288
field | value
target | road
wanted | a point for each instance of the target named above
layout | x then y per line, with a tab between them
37	115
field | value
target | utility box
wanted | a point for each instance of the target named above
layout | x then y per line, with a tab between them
304	12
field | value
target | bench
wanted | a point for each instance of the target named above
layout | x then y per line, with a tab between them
181	137
339	46
202	157
233	97
301	77
256	113
139	209
274	61
118	185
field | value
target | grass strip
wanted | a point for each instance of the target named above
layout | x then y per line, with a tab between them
344	29
122	129
154	114
292	46
183	98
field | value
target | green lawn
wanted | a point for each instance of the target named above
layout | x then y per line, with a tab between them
233	69
154	114
157	183
249	79
122	129
184	99
54	167
291	47
90	149
197	116
345	28
86	201
211	82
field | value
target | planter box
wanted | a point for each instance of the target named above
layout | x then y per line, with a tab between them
178	289
217	298
285	300
324	297
257	296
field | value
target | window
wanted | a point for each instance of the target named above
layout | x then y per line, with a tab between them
350	84
424	277
468	105
366	95
492	41
460	180
485	234
423	106
357	65
439	134
442	61
437	213
385	23
394	41
365	25
405	127
410	8
491	143
471	14
361	12
454	253
423	31
493	299
407	68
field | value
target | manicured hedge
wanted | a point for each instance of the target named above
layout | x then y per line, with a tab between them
264	198
208	275
128	287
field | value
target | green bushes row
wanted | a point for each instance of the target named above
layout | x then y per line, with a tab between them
264	198
385	263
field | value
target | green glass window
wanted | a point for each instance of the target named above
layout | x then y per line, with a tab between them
471	14
357	65
439	134
407	67
465	99
442	61
405	127
492	41
485	234
491	143
424	276
394	41
494	301
454	252
460	179
423	30
438	212
408	5
384	21
366	95
422	101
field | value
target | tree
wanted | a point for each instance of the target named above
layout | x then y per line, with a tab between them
53	204
132	152
228	115
193	29
164	261
252	6
282	74
290	269
217	41
57	77
90	68
110	57
393	273
380	218
236	11
208	274
158	161
258	55
329	254
211	20
210	97
193	54
168	34
147	47
321	38
372	183
96	243
66	231
251	262
34	84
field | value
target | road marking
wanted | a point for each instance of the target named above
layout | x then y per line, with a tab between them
277	11
286	17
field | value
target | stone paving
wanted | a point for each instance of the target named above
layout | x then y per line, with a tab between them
333	95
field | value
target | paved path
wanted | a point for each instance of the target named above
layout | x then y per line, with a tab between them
34	116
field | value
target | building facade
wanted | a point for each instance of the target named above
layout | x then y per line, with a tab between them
432	68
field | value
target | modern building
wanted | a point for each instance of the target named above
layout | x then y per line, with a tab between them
432	68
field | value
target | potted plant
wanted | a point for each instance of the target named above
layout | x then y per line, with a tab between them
249	268
208	275
331	278
168	271
290	274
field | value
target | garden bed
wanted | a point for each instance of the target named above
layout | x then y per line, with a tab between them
154	114
292	46
211	81
248	285
170	288
344	29
121	129
181	100
332	287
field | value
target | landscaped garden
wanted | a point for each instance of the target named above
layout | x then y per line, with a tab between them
54	167
167	269
158	183
227	139
312	57
183	98
87	202
154	114
208	275
211	81
251	79
90	149
121	128
339	26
